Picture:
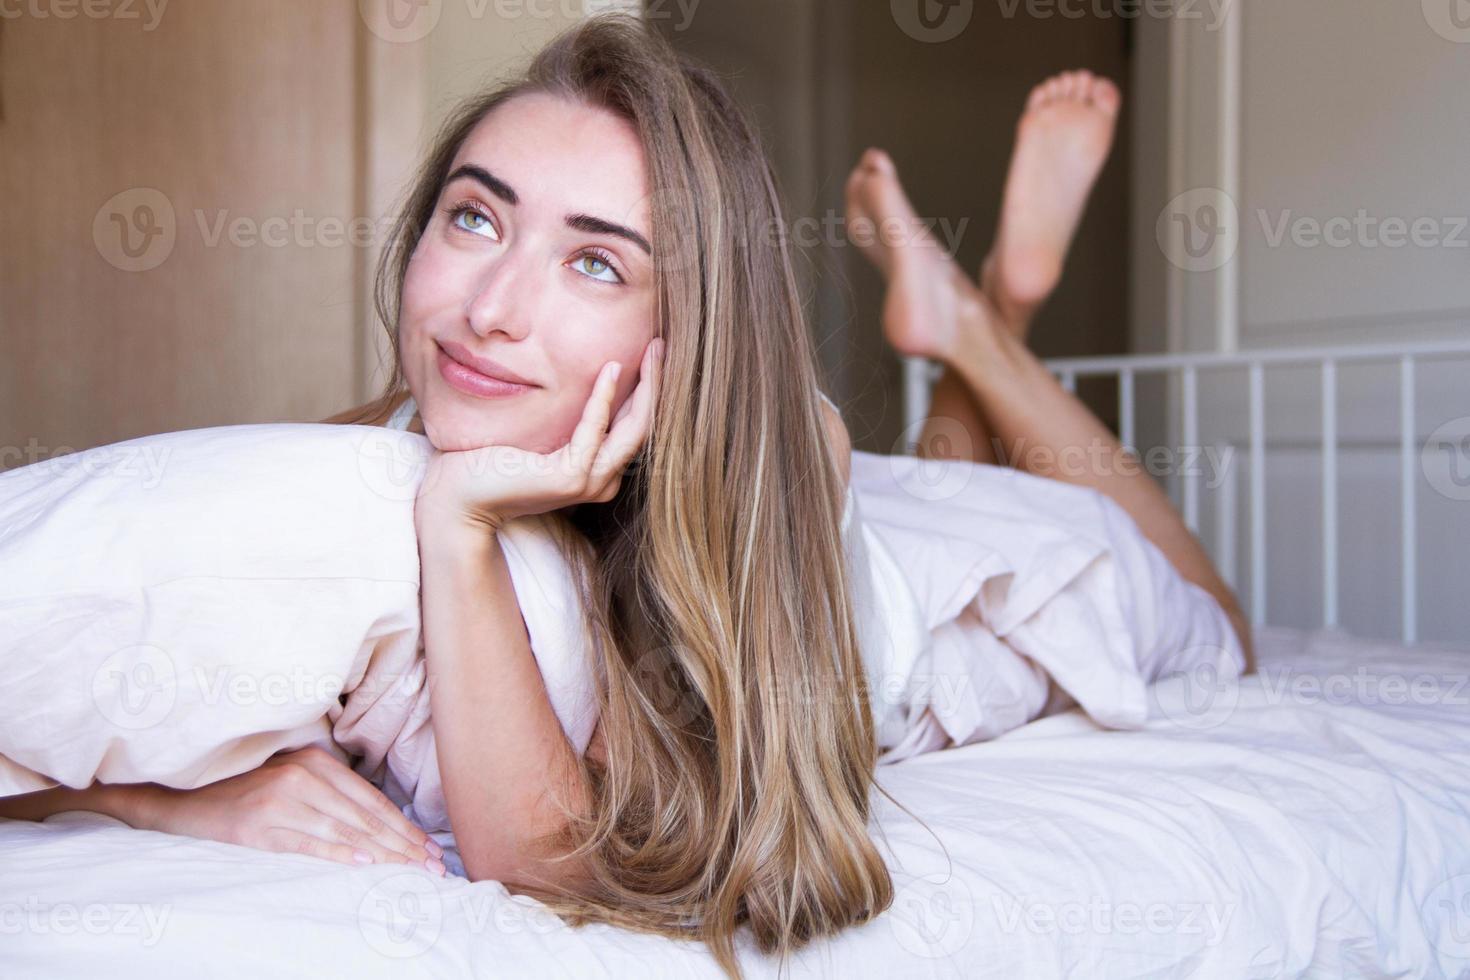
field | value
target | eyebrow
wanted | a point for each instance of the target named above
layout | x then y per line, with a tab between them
492	183
580	222
597	226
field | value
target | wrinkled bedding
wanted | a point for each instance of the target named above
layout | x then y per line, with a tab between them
178	608
1312	820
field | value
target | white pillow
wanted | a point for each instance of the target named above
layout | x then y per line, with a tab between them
179	607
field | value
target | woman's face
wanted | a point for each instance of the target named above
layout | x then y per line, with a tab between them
532	274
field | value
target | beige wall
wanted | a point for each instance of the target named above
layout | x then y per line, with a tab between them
469	50
1283	118
826	78
182	194
420	69
122	138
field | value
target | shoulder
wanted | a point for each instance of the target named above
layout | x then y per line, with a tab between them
839	441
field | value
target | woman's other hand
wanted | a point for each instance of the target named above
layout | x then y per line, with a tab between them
301	802
494	484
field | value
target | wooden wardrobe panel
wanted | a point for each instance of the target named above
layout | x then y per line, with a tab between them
233	116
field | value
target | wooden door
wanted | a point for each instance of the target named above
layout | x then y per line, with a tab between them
179	188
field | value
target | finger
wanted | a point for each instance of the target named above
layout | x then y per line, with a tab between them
367	807
592	427
371	809
651	353
629	433
284	840
609	490
322	825
290	840
622	443
372	825
622	410
636	414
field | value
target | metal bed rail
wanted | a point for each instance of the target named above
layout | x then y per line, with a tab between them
920	374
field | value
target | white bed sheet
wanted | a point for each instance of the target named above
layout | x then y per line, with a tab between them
1313	820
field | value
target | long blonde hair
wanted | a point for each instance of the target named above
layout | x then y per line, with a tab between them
740	745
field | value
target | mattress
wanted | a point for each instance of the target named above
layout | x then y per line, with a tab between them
1311	820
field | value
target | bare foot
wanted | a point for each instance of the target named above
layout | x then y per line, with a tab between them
928	293
1062	140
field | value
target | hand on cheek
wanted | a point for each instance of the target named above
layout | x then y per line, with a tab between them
632	376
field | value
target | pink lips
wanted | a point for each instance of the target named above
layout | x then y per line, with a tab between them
475	382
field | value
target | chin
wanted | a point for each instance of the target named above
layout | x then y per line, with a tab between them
457	433
457	437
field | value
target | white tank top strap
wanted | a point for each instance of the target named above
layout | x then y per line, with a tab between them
847	507
403	414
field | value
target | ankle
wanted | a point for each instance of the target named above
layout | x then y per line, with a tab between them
1029	277
979	329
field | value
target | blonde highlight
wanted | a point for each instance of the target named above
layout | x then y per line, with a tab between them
740	745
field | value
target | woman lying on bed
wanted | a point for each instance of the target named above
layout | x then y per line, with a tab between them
593	314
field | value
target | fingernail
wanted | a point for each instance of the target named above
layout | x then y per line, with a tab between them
362	857
432	846
617	369
435	865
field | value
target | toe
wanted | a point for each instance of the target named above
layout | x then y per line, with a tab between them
873	161
1105	95
860	171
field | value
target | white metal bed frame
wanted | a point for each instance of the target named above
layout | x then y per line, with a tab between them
920	375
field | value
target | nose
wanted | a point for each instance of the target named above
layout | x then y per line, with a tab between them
504	298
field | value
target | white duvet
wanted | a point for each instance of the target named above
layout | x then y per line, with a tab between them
180	607
1310	821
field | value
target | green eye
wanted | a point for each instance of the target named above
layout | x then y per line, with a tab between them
594	266
473	221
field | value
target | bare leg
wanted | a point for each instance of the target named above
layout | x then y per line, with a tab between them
994	386
1050	433
954	428
921	309
1062	140
1045	430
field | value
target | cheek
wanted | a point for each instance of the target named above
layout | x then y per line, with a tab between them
428	286
582	351
433	290
618	336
